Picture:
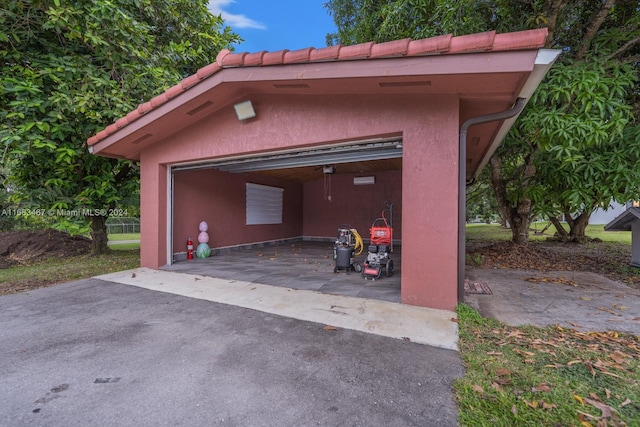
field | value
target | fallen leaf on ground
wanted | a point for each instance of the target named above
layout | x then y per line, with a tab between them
523	352
542	387
556	280
330	328
618	357
496	386
625	403
606	410
595	397
477	388
502	372
609	311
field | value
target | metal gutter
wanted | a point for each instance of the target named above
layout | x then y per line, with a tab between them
462	179
544	60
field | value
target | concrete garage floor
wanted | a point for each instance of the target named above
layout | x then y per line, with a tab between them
298	265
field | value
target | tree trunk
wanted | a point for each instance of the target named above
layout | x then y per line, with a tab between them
504	216
546	227
579	227
99	235
519	215
560	230
520	229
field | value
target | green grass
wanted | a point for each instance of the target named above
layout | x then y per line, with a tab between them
530	376
124	236
124	246
495	232
53	270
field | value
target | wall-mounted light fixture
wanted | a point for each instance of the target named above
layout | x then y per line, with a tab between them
244	110
364	180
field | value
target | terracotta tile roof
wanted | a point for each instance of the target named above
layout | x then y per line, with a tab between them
447	44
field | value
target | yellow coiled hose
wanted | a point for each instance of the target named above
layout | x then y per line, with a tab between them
359	242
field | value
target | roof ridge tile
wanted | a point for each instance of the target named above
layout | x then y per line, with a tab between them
520	40
431	45
233	60
221	55
208	70
300	55
189	81
274	58
329	53
174	91
390	49
477	42
356	51
254	59
158	100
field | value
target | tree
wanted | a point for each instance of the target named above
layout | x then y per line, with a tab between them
588	104
68	69
590	159
574	147
481	205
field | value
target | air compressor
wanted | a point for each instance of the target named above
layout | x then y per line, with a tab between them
347	243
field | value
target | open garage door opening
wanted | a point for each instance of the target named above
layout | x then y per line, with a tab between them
306	197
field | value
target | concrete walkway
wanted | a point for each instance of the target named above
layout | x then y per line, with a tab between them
572	299
416	324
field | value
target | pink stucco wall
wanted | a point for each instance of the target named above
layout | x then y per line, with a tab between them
219	199
357	206
429	129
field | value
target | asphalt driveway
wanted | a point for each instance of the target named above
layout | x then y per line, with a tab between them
99	353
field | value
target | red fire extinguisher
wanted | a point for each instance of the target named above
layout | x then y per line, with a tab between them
190	248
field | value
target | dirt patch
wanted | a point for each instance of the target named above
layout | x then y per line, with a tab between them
608	259
23	247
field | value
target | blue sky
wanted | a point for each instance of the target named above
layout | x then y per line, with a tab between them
276	24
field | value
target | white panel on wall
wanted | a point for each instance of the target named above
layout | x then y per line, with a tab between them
264	204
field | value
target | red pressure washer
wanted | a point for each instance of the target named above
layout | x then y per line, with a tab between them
380	247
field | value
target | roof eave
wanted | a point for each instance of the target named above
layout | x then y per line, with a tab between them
105	145
623	221
543	63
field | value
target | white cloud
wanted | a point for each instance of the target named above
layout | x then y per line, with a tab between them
234	21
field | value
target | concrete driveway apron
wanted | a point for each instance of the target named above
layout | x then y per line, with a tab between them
99	353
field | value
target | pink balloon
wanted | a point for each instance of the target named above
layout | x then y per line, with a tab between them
203	226
203	237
